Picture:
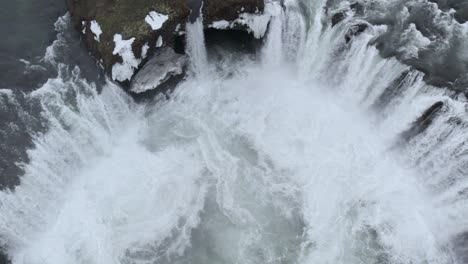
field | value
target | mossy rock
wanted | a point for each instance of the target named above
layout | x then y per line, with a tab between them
127	17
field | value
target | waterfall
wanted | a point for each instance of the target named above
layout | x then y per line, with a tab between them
294	31
322	152
273	48
196	49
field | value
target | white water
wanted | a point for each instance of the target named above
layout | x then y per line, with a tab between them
196	47
281	160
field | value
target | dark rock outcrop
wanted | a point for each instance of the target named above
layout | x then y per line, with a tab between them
129	19
338	17
166	65
341	15
214	10
355	30
424	121
393	90
126	18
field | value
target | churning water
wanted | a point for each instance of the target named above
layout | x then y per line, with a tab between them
291	156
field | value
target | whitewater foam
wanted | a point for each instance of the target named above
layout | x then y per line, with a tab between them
249	163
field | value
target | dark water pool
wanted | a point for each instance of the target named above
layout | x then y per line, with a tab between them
27	29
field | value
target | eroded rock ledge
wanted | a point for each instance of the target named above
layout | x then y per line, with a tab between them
124	34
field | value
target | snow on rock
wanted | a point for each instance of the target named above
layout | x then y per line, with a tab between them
256	24
159	42
222	24
144	50
156	20
124	71
83	26
179	30
158	70
96	29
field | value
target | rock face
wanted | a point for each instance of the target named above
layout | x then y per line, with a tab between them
215	10
166	64
123	34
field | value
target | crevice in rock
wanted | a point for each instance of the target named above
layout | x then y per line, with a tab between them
231	40
179	44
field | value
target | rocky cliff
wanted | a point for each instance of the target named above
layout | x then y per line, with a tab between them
124	34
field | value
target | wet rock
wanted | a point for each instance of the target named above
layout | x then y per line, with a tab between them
165	65
462	14
355	30
338	17
341	15
215	10
143	26
164	90
358	8
424	121
392	91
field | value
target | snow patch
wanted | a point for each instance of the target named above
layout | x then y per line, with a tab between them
83	26
159	42
96	29
256	24
222	24
144	50
156	20
179	30
124	71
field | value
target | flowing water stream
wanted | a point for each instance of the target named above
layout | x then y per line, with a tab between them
291	155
